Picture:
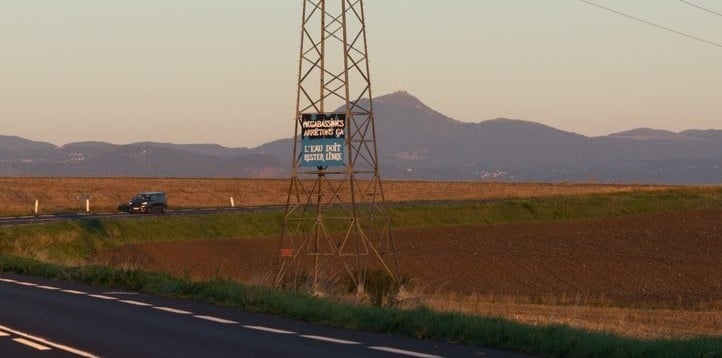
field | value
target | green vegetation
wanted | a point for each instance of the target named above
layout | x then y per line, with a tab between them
421	323
73	242
561	208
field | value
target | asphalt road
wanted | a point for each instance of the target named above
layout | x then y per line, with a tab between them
48	318
49	218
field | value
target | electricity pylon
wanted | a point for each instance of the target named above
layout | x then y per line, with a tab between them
335	222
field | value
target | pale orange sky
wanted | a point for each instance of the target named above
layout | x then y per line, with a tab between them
224	71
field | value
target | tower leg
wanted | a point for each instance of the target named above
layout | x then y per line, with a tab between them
335	207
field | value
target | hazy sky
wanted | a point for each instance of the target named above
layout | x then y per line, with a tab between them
224	71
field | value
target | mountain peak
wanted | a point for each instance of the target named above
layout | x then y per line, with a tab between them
517	122
401	98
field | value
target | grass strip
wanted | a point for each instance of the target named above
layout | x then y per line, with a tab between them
72	242
561	208
420	323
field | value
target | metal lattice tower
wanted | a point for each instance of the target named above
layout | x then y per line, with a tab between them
335	223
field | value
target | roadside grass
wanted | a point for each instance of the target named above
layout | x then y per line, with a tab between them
619	319
423	323
73	242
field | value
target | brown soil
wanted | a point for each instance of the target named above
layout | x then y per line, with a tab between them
668	260
662	259
572	272
18	195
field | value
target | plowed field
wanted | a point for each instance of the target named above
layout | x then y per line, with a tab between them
658	260
645	276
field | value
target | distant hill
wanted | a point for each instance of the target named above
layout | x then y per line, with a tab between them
16	148
20	157
421	143
655	134
414	142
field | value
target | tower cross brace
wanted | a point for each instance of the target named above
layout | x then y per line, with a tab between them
335	223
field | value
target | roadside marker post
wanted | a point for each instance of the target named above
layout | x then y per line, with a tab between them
37	205
233	203
87	205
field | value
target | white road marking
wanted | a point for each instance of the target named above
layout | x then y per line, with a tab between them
216	319
120	293
172	310
43	341
74	292
32	344
136	303
51	288
404	352
8	280
268	329
25	283
3	334
329	339
103	297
